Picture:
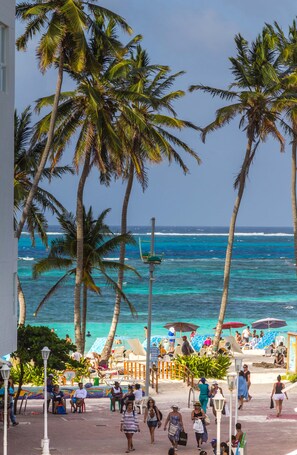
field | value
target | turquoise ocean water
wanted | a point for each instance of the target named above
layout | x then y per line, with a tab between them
188	283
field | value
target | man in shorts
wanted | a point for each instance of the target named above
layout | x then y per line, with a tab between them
79	397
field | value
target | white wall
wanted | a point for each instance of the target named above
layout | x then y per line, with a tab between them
8	245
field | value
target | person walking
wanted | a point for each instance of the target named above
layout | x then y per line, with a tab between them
278	395
203	388
152	417
247	375
129	425
213	391
242	389
198	416
175	421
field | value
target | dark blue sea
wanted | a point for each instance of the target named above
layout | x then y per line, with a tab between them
188	282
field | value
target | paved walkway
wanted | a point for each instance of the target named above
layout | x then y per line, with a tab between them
97	430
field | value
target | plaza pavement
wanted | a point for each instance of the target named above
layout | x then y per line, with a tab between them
97	430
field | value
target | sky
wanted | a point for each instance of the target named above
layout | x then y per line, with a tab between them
196	36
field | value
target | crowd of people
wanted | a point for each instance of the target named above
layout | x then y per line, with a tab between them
174	424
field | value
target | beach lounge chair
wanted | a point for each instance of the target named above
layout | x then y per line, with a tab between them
137	348
234	346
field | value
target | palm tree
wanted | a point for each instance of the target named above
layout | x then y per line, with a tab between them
254	97
99	243
287	47
27	156
146	140
89	112
63	43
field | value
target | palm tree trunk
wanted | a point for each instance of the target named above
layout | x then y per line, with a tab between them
84	317
46	151
80	253
117	307
293	192
22	303
229	251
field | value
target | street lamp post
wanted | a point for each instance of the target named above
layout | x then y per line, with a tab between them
238	365
218	402
149	316
231	380
45	352
5	372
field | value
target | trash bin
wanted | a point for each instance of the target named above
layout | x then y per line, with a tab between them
96	381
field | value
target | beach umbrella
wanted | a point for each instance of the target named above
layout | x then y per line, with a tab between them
232	325
268	323
182	326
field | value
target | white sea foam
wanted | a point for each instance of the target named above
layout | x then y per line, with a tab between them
27	258
216	234
114	259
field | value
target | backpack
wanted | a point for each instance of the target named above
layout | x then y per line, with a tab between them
160	413
61	409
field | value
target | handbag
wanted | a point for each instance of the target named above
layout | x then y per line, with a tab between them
198	426
271	403
183	438
172	429
206	420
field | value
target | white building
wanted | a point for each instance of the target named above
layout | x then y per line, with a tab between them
8	244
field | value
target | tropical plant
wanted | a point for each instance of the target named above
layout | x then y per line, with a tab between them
31	340
254	93
99	243
88	112
208	367
147	139
26	159
287	47
65	24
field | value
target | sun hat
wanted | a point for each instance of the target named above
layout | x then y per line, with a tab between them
174	406
197	403
51	375
215	383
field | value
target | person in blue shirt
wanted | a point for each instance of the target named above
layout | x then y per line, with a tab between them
10	413
49	388
171	337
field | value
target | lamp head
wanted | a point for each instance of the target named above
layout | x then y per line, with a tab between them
238	364
231	381
218	402
5	372
45	352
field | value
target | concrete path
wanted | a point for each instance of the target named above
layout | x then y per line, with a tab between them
97	430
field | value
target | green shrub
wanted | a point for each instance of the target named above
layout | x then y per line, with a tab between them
208	367
292	377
